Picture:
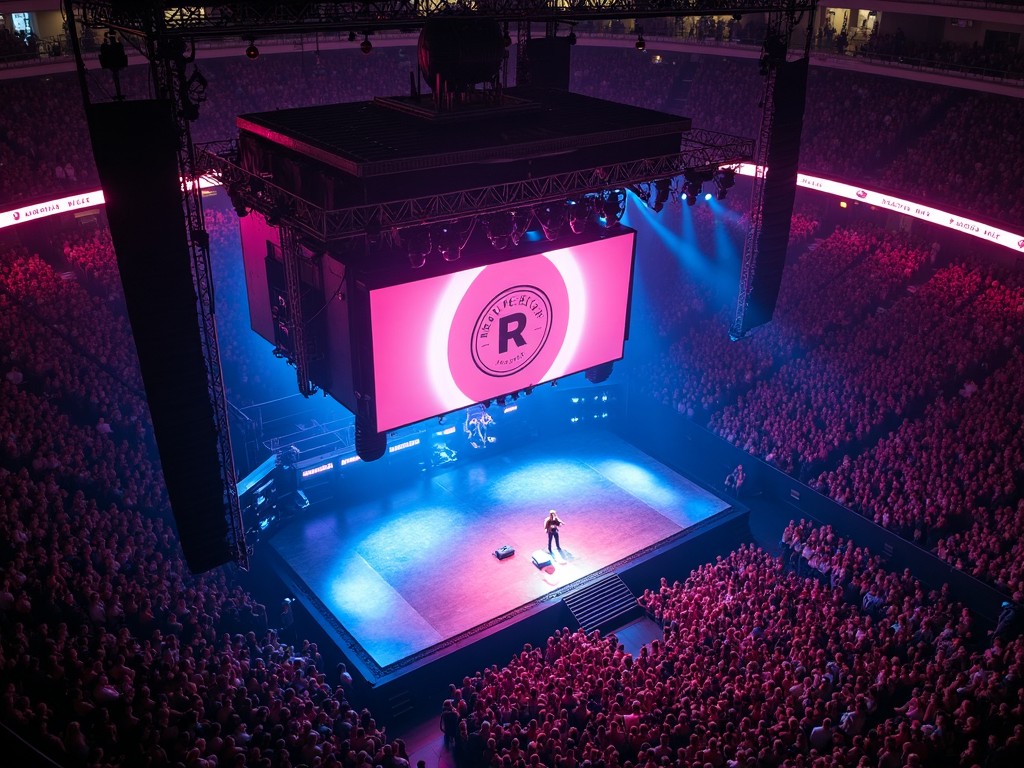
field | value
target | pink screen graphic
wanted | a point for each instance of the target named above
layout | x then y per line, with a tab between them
444	343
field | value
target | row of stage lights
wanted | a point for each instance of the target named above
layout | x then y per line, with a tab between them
508	228
508	402
604	209
689	188
252	52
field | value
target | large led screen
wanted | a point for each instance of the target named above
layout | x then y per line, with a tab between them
443	343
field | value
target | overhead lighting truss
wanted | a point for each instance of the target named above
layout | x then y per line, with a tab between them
245	19
700	149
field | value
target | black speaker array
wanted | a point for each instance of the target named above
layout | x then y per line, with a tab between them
135	144
779	192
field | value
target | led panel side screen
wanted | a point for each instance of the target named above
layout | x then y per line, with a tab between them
443	343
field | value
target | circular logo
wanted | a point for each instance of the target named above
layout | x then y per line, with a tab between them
511	330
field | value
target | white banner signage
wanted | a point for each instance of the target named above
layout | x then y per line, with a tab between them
1011	240
51	208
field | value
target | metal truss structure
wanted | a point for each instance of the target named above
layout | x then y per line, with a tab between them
256	17
179	82
291	255
701	149
174	80
164	30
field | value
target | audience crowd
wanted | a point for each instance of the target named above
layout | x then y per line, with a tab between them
111	652
819	658
950	480
856	126
888	380
973	58
956	164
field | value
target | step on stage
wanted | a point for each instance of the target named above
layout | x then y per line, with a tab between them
413	572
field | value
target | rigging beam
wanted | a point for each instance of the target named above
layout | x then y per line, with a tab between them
253	18
700	149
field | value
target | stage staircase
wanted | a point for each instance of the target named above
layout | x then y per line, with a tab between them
606	602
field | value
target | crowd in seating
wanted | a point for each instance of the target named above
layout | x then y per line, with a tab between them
855	126
861	264
957	164
950	480
961	57
887	381
820	658
864	374
111	652
44	142
874	335
621	75
92	252
17	45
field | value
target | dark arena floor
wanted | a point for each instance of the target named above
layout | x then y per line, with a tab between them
413	571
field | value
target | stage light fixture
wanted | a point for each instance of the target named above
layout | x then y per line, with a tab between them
366	46
447	242
572	37
352	36
552	218
577	212
693	181
528	390
599	373
641	44
707	195
506	228
662	190
252	52
612	206
500	401
418	245
642	191
277	213
725	179
241	209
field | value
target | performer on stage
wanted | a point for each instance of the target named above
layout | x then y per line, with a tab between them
551	523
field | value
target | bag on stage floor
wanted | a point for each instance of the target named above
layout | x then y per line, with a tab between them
504	552
541	558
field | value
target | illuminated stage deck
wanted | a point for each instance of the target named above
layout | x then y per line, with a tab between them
414	570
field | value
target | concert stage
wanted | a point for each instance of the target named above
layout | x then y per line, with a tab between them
412	572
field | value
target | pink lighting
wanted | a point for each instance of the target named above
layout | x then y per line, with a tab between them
443	343
51	208
1012	240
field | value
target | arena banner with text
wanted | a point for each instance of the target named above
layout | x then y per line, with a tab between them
1013	241
51	208
1003	237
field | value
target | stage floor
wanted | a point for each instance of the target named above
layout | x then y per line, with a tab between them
415	567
